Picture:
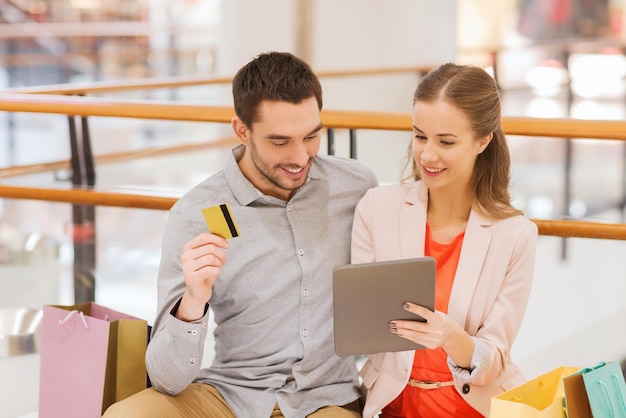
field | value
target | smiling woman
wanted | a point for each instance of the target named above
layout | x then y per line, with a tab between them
458	210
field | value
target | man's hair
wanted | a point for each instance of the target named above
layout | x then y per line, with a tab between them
273	76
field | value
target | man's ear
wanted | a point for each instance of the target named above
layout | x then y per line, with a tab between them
240	130
484	142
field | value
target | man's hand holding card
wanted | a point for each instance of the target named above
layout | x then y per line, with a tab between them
202	260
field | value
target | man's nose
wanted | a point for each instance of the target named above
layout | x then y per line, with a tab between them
300	154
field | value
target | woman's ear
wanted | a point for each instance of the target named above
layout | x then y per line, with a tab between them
240	130
484	142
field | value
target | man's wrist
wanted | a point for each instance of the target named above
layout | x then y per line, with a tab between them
184	312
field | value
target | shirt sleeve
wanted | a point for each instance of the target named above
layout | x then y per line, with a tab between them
175	352
478	363
175	355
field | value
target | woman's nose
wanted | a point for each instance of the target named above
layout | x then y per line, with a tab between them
428	152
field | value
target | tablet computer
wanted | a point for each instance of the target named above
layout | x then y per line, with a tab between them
366	297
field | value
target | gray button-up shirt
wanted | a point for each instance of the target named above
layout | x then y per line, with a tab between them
273	300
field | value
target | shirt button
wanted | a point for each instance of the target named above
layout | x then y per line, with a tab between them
305	333
301	251
297	367
204	325
289	208
192	360
194	332
466	388
306	292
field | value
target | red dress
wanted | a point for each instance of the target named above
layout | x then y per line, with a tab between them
431	365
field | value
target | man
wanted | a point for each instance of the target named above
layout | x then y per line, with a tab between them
270	288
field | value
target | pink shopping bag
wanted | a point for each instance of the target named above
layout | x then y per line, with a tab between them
91	357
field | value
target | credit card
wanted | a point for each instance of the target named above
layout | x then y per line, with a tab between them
220	221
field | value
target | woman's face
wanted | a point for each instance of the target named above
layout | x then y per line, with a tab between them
444	146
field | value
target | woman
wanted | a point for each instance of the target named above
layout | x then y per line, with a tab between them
458	211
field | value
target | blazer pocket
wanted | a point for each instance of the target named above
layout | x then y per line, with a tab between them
510	382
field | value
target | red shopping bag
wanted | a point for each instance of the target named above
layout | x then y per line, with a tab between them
91	357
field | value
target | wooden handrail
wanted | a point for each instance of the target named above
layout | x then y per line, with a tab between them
565	128
148	109
111	158
88	197
97	87
548	227
96	106
171	82
581	229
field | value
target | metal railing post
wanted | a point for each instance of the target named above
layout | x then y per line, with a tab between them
83	216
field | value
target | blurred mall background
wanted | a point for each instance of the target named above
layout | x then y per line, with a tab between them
552	58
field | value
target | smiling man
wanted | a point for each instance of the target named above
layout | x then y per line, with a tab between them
270	288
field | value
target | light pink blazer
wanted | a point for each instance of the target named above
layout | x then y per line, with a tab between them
489	294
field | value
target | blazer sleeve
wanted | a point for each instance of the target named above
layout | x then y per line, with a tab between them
362	247
504	319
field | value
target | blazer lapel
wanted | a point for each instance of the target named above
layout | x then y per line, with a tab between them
413	222
473	252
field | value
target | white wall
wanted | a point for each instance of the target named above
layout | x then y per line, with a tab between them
249	27
576	313
370	33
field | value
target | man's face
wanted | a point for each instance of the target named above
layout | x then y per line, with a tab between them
281	146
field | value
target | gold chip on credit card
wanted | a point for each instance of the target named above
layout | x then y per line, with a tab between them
220	221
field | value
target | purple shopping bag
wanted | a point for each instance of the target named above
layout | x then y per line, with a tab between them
91	357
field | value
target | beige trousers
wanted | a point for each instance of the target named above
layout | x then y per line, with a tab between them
200	400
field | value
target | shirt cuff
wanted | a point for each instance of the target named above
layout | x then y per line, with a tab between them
478	363
174	310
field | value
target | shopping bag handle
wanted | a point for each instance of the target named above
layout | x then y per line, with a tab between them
608	396
72	313
597	366
616	380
